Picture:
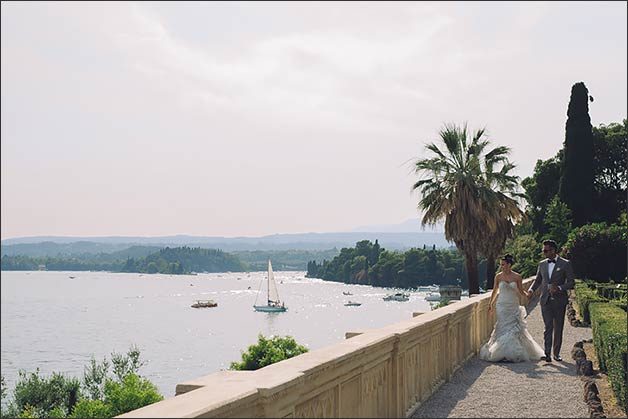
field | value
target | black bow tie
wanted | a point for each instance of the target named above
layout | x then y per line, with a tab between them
551	261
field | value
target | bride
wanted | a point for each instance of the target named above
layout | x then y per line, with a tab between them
510	340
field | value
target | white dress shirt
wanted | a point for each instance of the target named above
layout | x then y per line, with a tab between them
550	269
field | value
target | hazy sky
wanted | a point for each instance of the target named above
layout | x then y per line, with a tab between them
259	118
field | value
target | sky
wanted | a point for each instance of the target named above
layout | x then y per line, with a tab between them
248	119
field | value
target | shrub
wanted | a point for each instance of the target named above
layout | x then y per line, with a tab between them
621	304
442	303
45	396
611	340
94	376
584	297
131	393
598	252
611	291
268	351
60	397
91	409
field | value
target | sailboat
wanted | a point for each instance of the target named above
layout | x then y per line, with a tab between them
273	304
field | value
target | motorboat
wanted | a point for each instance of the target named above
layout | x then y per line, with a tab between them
353	304
400	296
204	304
432	296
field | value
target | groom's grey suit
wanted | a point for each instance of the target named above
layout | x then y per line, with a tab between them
553	307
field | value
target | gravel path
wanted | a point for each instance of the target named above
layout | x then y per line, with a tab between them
481	389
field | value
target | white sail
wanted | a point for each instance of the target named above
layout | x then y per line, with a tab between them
273	305
273	294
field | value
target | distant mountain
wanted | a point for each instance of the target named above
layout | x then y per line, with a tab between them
53	245
412	225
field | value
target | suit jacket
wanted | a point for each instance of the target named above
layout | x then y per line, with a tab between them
562	276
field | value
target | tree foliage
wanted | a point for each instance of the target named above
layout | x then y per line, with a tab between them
129	393
598	251
610	166
541	188
557	221
181	260
526	250
178	260
99	395
472	189
268	351
370	264
41	396
576	182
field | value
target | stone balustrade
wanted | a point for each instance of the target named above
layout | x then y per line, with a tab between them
385	372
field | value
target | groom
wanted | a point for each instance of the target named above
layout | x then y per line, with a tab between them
555	276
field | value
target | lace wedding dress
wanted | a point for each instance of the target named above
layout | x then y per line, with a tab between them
510	340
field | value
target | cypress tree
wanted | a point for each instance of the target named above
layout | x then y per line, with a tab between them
576	183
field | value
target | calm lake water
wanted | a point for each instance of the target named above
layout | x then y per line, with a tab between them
56	323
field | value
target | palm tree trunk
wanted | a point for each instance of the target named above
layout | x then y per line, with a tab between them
471	262
490	272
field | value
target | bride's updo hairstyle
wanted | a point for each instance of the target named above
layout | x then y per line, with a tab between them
509	259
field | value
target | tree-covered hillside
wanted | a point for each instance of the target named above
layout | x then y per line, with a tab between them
367	263
179	260
283	260
182	260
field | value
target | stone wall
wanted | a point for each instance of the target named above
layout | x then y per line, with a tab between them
386	372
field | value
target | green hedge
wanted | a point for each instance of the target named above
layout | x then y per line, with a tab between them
621	304
611	291
584	297
610	338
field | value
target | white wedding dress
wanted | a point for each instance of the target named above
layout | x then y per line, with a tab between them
510	340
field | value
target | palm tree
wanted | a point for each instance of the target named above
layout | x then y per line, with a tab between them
492	246
504	208
461	185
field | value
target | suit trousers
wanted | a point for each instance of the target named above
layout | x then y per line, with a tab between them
553	312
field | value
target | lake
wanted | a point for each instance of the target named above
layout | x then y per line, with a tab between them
57	323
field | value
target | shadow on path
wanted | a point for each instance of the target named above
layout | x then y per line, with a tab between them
456	389
538	389
538	370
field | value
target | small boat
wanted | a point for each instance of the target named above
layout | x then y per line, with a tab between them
353	304
346	293
204	304
433	296
72	277
273	303
400	296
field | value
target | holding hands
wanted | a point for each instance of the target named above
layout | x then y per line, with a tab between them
553	289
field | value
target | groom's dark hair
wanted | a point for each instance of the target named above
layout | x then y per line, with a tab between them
551	243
